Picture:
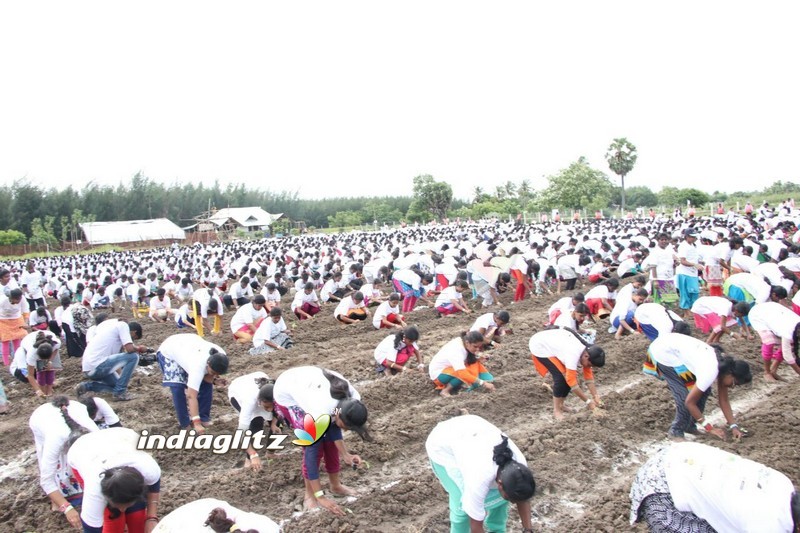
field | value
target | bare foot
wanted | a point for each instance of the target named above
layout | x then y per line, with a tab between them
343	490
444	394
558	415
547	386
310	503
567	409
770	378
778	377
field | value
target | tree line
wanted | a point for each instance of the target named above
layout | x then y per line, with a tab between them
29	213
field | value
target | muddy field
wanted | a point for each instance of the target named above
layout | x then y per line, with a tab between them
583	465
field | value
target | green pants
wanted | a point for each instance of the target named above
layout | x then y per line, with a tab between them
496	507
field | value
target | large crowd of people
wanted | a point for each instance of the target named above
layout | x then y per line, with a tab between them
733	274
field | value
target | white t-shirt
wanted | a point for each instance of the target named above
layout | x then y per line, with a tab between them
451	355
93	454
484	322
729	492
346	305
105	413
191	352
663	260
655	315
308	388
384	310
753	284
675	350
33	280
464	446
190	518
692	255
558	343
717	305
245	390
50	435
772	316
26	345
447	295
386	350
109	339
246	314
267	330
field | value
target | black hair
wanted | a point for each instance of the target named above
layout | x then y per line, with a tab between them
75	429
395	296
517	479
358	296
642	292
275	311
473	337
578	297
15	294
681	327
136	328
743	308
91	406
265	391
213	305
778	292
411	332
739	369
504	316
796	340
259	299
219	522
218	361
340	389
122	485
794	505
582	308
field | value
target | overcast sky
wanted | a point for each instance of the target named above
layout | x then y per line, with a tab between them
357	98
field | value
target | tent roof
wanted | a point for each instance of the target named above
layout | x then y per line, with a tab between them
131	231
244	216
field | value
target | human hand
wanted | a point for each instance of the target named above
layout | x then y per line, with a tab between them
718	432
737	435
255	463
488	386
74	518
331	506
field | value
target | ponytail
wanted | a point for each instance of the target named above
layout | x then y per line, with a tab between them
340	389
502	454
516	478
75	429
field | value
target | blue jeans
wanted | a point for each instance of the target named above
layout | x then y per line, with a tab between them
104	377
204	397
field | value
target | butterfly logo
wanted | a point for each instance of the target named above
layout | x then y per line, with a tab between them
312	431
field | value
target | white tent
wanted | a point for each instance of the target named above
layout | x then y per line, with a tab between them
245	217
131	231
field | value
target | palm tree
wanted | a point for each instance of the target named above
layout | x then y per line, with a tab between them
478	194
621	157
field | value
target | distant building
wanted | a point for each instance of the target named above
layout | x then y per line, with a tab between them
157	229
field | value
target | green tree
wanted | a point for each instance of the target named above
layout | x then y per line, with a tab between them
42	231
638	196
431	197
674	197
576	187
621	157
12	237
344	219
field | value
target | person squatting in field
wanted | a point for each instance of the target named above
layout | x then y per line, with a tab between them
457	365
